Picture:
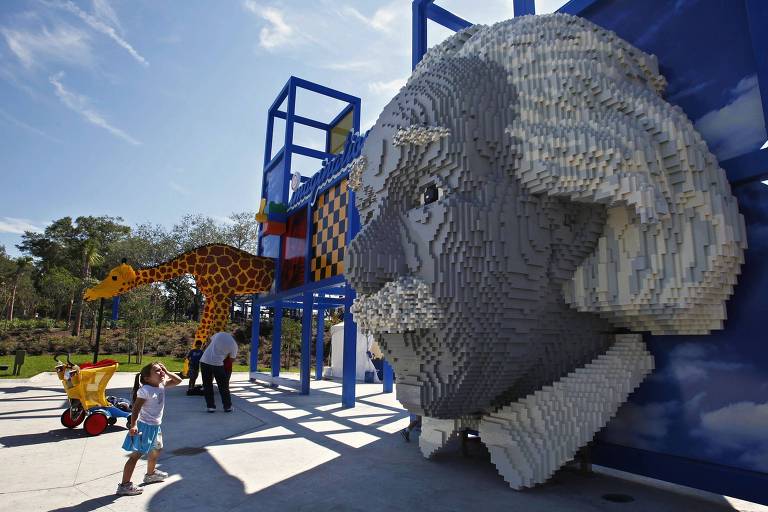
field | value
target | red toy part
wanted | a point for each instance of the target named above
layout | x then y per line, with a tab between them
95	424
274	228
100	364
68	421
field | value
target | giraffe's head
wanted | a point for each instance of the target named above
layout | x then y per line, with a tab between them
120	279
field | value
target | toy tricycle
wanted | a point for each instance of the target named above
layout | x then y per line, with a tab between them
85	385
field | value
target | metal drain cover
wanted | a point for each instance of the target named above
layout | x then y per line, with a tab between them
188	450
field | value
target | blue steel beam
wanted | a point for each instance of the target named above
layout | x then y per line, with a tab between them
277	333
446	18
255	325
389	376
418	30
576	7
319	347
320	155
321	89
306	340
287	294
349	364
523	7
280	98
115	308
341	114
303	120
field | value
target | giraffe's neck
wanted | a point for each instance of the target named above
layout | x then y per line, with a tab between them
178	266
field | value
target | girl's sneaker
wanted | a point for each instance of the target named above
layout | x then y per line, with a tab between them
128	489
157	476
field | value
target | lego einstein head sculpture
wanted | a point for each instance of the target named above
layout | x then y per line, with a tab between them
525	197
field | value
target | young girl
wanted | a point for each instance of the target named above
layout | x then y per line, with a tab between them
144	435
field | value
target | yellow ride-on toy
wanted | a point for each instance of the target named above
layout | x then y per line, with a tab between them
85	385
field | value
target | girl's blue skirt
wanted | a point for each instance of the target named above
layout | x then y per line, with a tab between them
145	440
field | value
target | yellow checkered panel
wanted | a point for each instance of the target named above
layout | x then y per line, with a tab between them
329	228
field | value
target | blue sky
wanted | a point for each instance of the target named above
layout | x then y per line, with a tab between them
150	110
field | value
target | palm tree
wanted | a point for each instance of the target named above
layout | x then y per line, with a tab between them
22	265
91	258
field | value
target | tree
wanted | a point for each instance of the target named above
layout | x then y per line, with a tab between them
60	286
23	265
90	258
140	310
243	232
80	247
195	230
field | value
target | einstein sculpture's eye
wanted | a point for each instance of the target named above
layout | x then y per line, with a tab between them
114	278
430	194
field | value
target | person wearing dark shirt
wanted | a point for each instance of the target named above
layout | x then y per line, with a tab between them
193	357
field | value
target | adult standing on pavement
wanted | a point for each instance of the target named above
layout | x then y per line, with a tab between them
221	346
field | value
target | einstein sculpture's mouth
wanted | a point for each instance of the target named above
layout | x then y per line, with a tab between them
405	304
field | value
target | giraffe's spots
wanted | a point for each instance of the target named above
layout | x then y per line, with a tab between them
232	283
242	279
216	250
225	261
251	273
224	272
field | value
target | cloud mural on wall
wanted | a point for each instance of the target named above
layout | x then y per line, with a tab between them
737	127
739	427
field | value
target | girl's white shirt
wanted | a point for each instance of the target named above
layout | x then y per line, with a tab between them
151	412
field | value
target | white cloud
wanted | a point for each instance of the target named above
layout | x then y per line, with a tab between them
102	23
641	426
21	124
177	187
389	88
277	33
81	105
63	43
694	362
742	427
384	19
103	11
738	127
359	65
17	226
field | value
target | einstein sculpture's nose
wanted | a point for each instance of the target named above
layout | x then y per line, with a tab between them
374	257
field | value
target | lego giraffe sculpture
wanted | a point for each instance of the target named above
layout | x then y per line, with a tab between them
220	272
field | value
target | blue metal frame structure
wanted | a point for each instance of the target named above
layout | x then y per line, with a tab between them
742	169
333	292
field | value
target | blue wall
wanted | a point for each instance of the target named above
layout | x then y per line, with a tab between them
701	418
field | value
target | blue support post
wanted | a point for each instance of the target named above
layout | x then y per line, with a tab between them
255	318
523	7
389	377
115	308
350	352
319	347
306	342
418	30
277	332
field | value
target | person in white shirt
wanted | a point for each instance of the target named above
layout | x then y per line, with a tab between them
221	346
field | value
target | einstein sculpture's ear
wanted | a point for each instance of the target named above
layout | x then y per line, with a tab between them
590	125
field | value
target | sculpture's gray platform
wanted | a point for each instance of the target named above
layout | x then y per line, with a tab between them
278	451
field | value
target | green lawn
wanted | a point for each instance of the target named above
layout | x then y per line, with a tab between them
36	364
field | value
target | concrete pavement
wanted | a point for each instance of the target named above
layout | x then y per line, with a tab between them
278	451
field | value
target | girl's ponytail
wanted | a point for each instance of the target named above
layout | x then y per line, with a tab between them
136	383
139	380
